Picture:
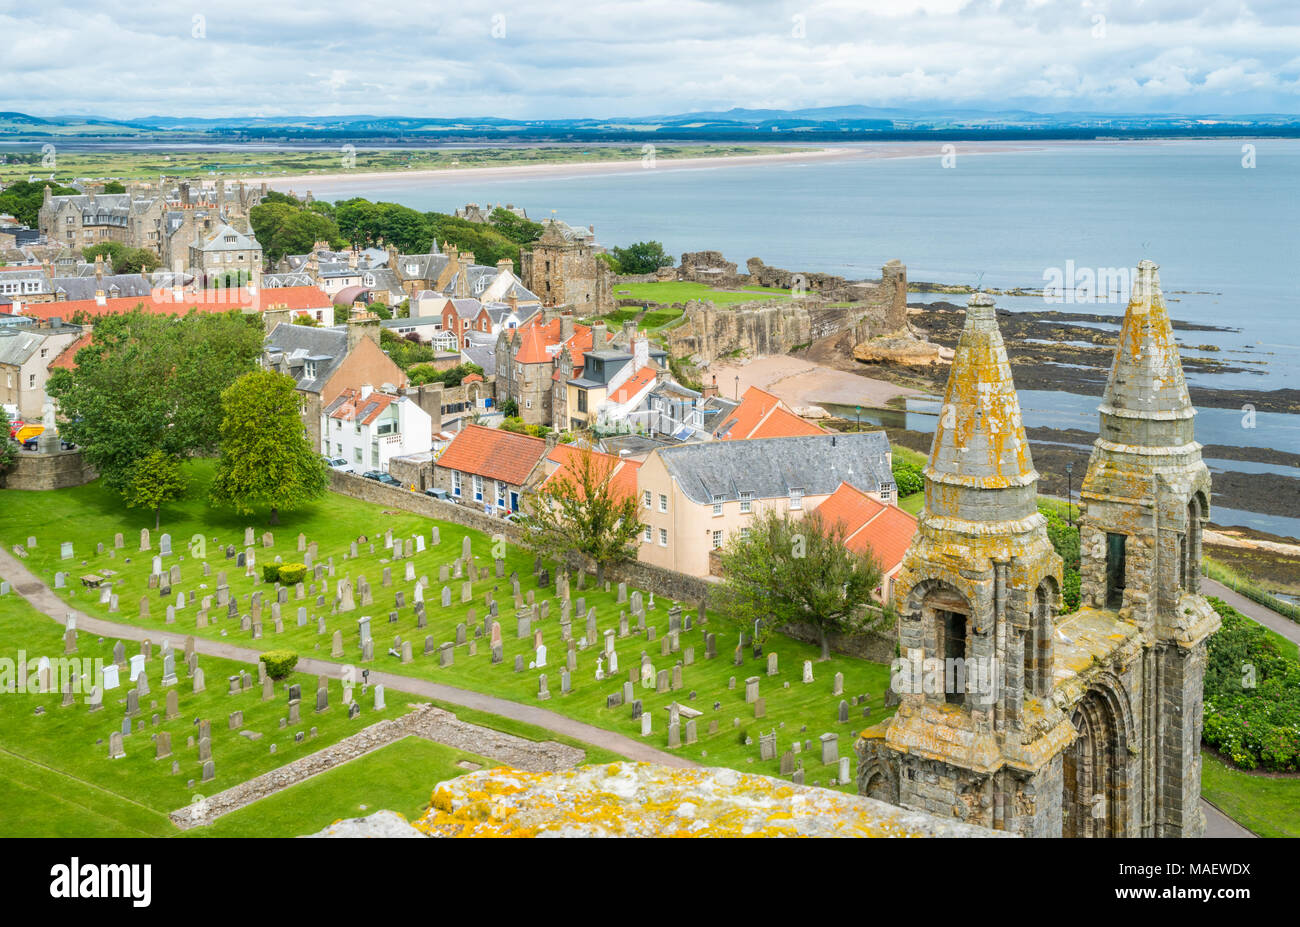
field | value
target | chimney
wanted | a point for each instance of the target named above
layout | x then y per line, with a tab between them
640	353
566	326
99	268
361	325
514	304
505	264
273	317
49	195
710	389
366	390
185	192
598	336
352	258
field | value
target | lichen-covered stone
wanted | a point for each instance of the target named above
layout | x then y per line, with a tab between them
645	800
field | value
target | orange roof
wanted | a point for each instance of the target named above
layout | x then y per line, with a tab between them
472	378
67	357
762	415
492	453
568	458
161	302
537	335
354	405
869	524
633	385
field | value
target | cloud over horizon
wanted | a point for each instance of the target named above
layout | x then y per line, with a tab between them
526	59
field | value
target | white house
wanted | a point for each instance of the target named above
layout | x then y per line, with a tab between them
368	428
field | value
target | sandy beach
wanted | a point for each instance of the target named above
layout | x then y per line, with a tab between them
801	383
379	179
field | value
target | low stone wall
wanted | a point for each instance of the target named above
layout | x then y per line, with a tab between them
876	646
57	470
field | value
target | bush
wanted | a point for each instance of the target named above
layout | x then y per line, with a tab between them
280	663
270	572
292	573
1252	696
908	478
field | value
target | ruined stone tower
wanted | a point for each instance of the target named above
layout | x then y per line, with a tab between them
1092	726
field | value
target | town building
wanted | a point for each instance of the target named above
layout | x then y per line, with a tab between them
26	354
490	470
566	271
368	427
696	496
881	529
1036	722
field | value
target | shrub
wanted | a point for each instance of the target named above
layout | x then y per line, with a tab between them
908	479
280	663
291	573
270	572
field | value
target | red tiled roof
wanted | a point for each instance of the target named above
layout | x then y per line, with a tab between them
67	357
537	335
762	415
869	524
163	303
354	405
495	454
568	457
633	385
472	378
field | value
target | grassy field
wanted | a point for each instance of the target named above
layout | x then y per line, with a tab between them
673	291
382	780
1268	805
69	785
147	165
801	712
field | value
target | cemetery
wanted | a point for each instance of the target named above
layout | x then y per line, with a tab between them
392	592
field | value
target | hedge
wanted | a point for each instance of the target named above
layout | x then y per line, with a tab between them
279	663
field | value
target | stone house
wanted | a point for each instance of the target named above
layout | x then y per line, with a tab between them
565	271
490	470
26	353
1013	716
694	497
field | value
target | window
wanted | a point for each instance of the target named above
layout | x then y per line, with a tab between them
663	537
501	494
582	400
528	403
746	502
649	534
478	488
31	379
647	504
663	502
717	505
796	499
744	534
338	450
717	539
886	491
455	482
358	455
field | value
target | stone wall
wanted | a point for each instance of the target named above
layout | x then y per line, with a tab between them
57	470
776	326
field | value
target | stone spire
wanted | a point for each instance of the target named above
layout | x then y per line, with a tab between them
980	469
1146	402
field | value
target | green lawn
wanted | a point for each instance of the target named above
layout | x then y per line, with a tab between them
88	515
399	777
1268	805
674	291
63	779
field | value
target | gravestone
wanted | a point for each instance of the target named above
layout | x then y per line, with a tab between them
830	748
751	689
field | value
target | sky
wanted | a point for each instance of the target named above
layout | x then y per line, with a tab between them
595	58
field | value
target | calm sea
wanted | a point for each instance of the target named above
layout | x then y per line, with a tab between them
1226	236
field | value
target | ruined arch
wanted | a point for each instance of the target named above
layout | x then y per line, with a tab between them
1097	770
947	625
877	780
1189	545
1038	651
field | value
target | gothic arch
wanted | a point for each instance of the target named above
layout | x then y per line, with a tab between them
1097	770
1038	638
947	624
878	781
1189	545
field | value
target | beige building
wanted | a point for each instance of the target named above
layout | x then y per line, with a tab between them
26	353
695	497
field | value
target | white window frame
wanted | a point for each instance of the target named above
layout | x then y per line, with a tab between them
649	500
649	534
717	506
717	539
477	482
455	482
746	503
796	498
663	502
663	537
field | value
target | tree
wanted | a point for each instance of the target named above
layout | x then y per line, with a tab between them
581	509
266	458
8	449
643	257
156	479
113	186
22	199
518	229
149	382
792	571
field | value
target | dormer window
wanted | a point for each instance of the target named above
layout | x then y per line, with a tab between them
796	499
309	369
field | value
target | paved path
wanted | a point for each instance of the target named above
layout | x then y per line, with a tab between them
1261	613
42	597
1218	824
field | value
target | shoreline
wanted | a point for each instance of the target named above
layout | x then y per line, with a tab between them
560	170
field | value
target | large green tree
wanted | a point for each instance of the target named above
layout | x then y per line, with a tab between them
642	257
8	448
124	260
584	509
22	199
266	459
797	571
151	382
155	480
284	226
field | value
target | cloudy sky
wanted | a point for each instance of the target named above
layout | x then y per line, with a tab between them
532	59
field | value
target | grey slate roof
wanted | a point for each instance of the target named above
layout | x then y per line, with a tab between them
17	345
113	285
771	467
480	348
299	343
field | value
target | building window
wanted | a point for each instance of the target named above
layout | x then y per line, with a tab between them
649	534
744	534
582	400
358	455
647	501
663	537
338	450
717	506
796	499
717	539
886	491
31	379
501	494
663	502
455	482
746	502
478	488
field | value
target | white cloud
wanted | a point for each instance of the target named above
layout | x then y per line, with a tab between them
534	59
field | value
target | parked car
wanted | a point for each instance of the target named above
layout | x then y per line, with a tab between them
373	474
389	480
339	463
436	493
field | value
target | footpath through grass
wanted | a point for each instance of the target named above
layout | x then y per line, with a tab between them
798	712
